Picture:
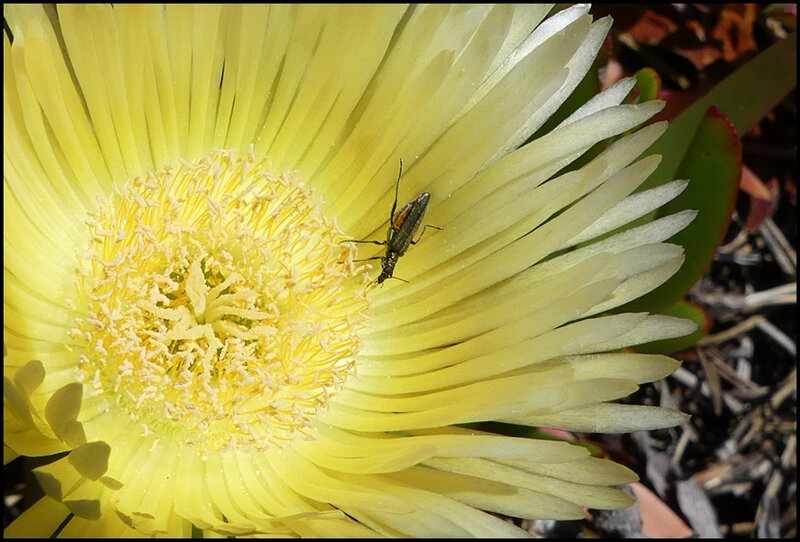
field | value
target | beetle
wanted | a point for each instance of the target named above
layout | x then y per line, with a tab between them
402	227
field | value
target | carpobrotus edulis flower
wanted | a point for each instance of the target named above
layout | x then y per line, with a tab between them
183	313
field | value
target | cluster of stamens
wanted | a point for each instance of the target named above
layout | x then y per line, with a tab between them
214	304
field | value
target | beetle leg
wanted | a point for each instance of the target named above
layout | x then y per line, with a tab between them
365	241
368	259
425	227
387	278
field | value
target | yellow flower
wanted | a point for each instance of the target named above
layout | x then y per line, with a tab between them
183	313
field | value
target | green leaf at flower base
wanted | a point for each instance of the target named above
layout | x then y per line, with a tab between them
713	165
745	97
701	145
680	309
649	84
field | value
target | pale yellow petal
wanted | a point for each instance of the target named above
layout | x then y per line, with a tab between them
97	60
609	418
41	520
494	496
445	442
439	369
589	470
192	500
316	484
64	407
435	513
580	494
70	148
58	479
91	459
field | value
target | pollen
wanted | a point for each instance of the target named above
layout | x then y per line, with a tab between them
217	304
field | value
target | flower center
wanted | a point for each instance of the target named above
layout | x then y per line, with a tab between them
215	304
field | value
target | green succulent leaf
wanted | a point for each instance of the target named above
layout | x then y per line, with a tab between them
745	97
701	145
649	84
713	165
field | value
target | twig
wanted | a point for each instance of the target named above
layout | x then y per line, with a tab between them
688	379
785	255
732	332
778	336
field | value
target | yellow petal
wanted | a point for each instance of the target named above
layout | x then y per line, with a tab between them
41	520
610	418
91	459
